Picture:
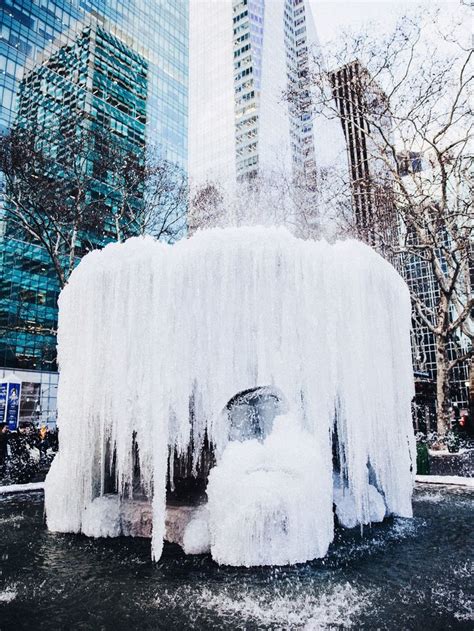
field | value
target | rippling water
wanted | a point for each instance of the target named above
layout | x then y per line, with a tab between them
403	574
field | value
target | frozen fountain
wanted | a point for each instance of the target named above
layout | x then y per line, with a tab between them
236	392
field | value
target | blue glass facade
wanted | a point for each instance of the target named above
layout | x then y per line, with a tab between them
157	30
31	34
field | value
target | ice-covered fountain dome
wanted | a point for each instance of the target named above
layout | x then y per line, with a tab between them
287	360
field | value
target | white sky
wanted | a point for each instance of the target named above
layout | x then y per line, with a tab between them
331	16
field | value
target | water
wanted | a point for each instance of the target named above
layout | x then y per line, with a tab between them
402	574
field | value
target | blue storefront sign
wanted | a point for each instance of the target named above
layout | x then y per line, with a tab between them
13	405
10	394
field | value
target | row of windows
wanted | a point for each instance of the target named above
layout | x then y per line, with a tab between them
15	39
242	38
11	68
245	98
243	63
243	73
249	162
240	17
241	50
246	150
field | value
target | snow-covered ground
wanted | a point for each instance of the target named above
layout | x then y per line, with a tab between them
8	594
20	488
446	479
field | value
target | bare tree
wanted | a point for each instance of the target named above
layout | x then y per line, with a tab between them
206	209
117	185
276	197
71	193
61	193
166	194
145	193
408	110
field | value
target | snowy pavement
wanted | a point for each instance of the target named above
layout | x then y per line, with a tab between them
21	488
445	479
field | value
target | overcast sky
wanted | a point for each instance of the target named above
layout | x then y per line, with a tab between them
331	16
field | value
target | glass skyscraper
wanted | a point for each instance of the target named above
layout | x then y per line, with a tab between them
122	64
157	30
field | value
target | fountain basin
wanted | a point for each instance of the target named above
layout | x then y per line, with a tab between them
386	578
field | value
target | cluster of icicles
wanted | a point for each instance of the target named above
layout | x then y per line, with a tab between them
146	328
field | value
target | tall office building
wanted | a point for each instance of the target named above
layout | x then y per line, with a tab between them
121	67
156	30
244	55
92	91
360	101
365	118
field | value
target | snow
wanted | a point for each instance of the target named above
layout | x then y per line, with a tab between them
445	452
148	331
335	606
21	488
445	479
8	594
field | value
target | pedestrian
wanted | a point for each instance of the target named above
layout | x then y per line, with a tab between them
43	435
53	439
3	447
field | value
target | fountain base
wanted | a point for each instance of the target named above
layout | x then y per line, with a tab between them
185	525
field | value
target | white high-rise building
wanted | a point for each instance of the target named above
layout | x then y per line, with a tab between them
244	56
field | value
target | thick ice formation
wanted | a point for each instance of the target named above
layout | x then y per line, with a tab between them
345	504
269	502
155	340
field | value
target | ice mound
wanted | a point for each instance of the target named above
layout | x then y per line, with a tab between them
155	341
268	501
346	507
196	537
102	517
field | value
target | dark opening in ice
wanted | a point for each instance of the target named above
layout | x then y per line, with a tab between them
253	411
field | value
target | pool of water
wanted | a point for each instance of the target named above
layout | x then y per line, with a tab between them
402	574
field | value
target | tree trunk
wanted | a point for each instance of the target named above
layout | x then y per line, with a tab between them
72	252
442	385
118	231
